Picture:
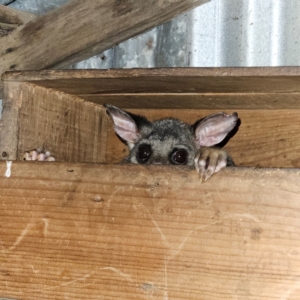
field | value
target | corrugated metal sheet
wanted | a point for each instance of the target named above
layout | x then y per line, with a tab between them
37	7
219	33
6	2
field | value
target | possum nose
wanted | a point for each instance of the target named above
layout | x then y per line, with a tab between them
157	161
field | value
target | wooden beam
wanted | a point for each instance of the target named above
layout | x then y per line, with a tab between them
45	108
14	16
34	117
222	81
81	29
80	131
286	74
11	18
90	231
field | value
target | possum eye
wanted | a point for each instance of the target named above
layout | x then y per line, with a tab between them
143	153
179	157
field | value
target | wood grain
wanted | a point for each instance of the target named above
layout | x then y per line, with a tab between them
166	80
220	101
11	18
193	88
81	29
266	99
46	75
9	123
35	117
86	231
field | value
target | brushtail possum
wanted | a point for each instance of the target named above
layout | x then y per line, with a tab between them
171	141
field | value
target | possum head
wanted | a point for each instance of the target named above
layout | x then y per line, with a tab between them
169	140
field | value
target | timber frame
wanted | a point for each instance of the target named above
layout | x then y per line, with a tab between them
86	227
62	110
79	30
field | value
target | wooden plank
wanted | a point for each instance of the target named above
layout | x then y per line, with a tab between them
169	80
75	130
9	15
81	29
176	84
265	138
220	101
11	18
82	231
280	82
46	75
9	123
70	128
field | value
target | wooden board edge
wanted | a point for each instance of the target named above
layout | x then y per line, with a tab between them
152	72
9	129
80	170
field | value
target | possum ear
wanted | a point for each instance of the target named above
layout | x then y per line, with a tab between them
213	129
124	125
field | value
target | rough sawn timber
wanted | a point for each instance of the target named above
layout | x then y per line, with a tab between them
47	108
87	231
10	19
70	128
14	17
81	29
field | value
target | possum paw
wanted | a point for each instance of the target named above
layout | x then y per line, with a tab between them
211	160
38	155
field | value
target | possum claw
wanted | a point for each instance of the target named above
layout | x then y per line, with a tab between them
209	161
38	155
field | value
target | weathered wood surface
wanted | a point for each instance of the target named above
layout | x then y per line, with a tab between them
81	29
176	72
9	15
78	131
266	99
198	88
166	80
220	101
11	18
35	117
89	231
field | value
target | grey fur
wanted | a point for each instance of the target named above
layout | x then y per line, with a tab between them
166	136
